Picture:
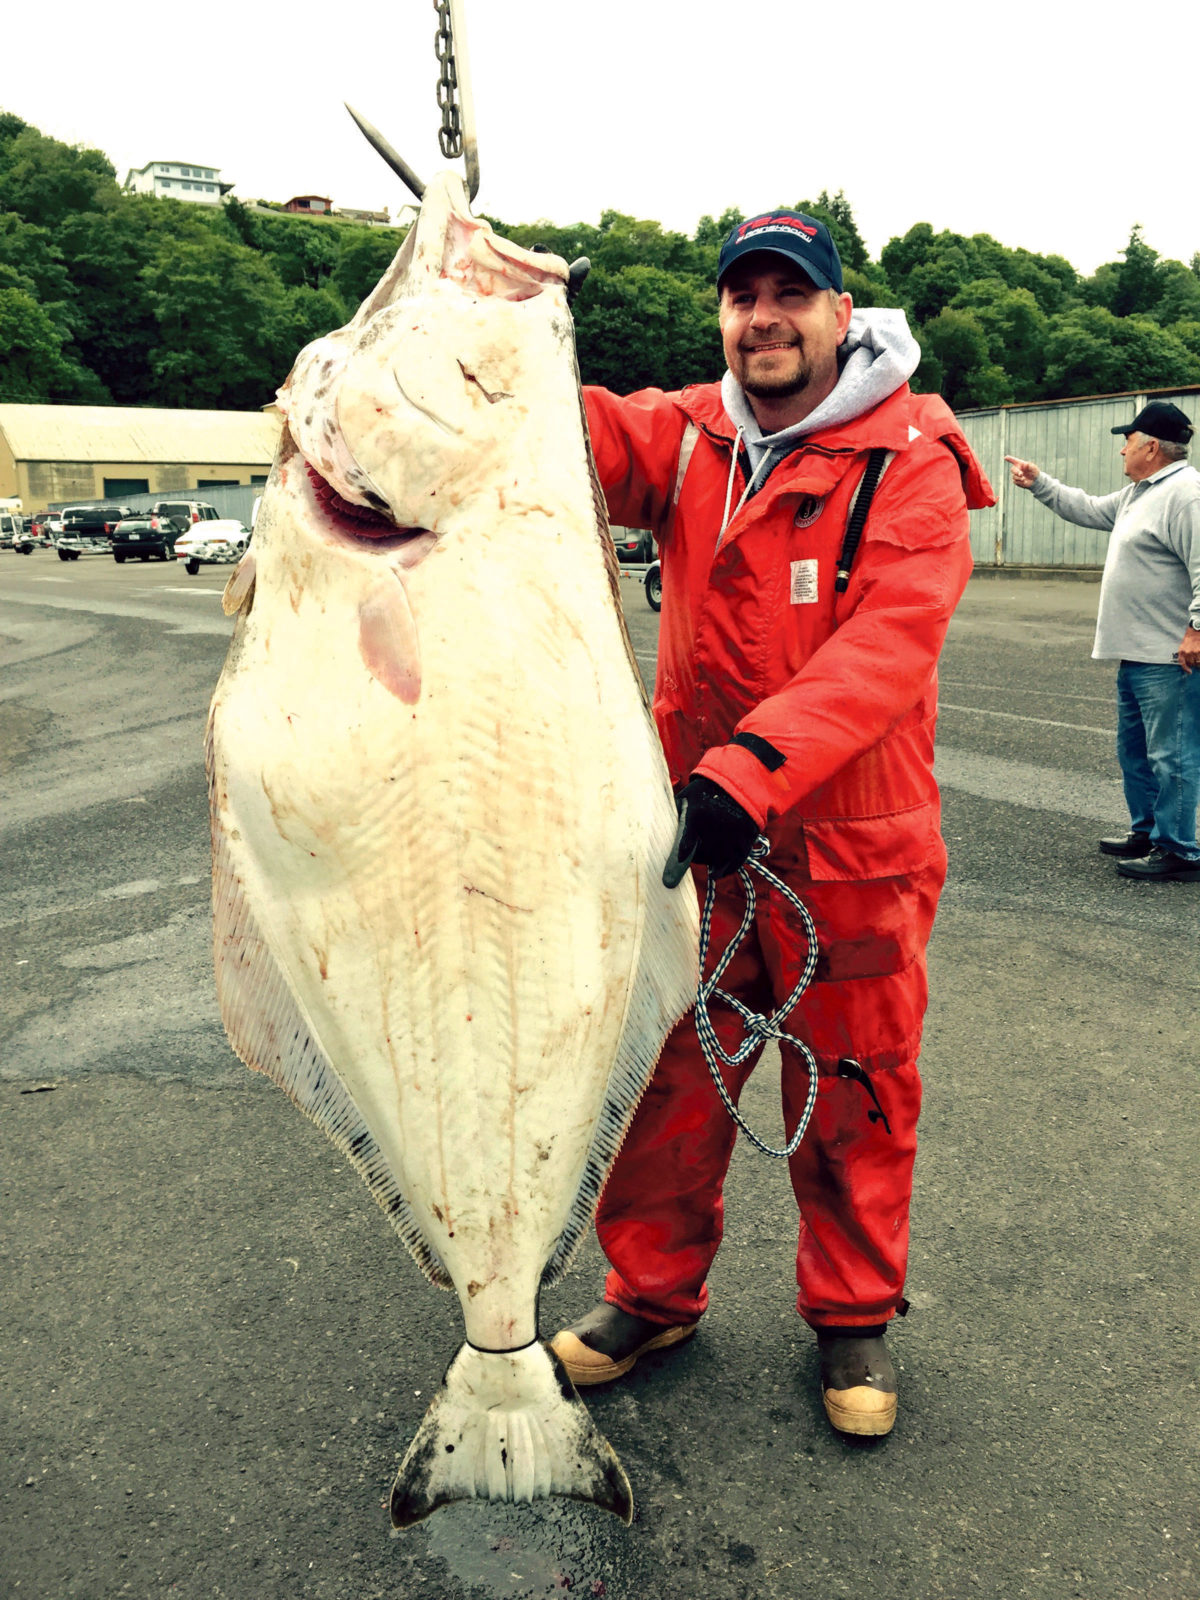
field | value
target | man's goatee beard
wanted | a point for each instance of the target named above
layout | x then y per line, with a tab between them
781	389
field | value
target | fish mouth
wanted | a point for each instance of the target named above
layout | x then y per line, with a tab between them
358	523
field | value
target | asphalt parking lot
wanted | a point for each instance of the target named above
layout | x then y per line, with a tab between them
216	1351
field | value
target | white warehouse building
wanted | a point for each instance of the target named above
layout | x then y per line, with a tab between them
178	180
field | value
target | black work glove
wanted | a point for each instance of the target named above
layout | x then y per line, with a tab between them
713	830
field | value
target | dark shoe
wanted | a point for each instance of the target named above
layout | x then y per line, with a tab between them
858	1381
1160	866
1132	846
607	1343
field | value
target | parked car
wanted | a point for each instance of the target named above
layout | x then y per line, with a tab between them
221	541
144	535
633	544
12	526
654	586
191	511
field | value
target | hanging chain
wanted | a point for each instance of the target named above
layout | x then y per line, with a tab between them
450	139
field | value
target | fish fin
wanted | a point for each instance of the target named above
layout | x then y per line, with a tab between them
271	1035
507	1426
663	989
239	591
387	639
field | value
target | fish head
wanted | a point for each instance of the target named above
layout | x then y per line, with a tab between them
446	385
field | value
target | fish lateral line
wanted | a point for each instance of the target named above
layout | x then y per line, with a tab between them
470	888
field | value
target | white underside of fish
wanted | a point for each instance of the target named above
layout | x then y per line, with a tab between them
440	814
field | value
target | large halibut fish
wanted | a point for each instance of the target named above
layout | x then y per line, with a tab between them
439	815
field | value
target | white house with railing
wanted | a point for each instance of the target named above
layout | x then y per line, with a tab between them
178	180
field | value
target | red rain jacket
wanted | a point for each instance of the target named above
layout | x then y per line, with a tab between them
755	641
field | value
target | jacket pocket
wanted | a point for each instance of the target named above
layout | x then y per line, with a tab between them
854	849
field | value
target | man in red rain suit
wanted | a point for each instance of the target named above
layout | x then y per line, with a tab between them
791	705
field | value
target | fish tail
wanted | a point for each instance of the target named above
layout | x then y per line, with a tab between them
507	1425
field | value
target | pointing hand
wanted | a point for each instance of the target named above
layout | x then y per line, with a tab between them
1024	473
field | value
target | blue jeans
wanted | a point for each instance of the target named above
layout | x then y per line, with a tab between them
1158	746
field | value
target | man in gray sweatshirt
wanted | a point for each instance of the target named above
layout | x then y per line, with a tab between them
1149	621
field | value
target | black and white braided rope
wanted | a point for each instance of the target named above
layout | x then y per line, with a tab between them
758	1028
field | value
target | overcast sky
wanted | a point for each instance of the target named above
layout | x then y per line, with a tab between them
1054	125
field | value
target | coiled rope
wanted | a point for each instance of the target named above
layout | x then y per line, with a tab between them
758	1028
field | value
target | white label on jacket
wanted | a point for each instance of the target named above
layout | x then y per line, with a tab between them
804	582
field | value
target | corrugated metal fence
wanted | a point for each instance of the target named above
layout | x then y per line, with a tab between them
1069	439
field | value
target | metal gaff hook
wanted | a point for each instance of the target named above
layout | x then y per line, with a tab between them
397	162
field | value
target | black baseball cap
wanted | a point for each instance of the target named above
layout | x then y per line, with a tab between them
805	242
1160	420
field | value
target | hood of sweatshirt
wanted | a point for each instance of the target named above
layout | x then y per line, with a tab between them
878	356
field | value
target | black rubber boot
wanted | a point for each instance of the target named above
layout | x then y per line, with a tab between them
858	1380
606	1343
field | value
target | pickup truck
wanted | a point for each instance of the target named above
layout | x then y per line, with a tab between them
87	530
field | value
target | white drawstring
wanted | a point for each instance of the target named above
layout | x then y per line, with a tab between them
737	445
726	519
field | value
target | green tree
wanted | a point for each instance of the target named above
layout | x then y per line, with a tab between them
1179	294
304	253
711	234
1101	288
570	241
10	126
45	181
1051	280
1188	334
868	287
109	254
625	241
365	257
1091	351
33	368
224	326
836	213
900	256
309	315
928	270
1138	282
1014	326
30	260
241	223
642	327
956	361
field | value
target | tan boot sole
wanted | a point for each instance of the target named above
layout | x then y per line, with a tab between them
586	1366
860	1410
